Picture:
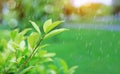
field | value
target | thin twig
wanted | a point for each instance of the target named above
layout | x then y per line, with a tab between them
33	53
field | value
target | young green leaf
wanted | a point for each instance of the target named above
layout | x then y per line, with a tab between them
48	60
25	31
19	59
61	65
42	53
48	55
64	66
43	46
32	39
4	43
2	60
19	37
35	26
46	25
26	70
53	25
55	32
14	33
72	69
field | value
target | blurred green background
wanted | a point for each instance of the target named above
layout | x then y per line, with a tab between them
93	41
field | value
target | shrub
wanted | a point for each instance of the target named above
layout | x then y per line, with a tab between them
23	53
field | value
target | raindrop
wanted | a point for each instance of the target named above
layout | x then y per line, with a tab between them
91	52
63	42
118	42
108	55
113	35
90	43
116	51
111	44
86	45
101	42
101	50
98	33
98	58
81	38
79	34
77	38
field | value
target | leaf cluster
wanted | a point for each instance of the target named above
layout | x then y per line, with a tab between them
24	53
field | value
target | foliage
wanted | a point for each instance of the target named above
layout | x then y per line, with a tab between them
22	54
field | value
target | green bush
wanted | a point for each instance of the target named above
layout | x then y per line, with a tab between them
24	52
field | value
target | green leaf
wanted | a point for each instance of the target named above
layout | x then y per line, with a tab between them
14	45
72	69
25	31
53	25
22	45
4	43
48	60
19	59
43	46
53	67
55	32
42	52
47	55
35	26
13	60
64	66
26	70
1	59
19	37
32	39
46	25
14	33
61	65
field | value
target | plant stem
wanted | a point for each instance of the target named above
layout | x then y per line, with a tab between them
33	52
16	53
4	72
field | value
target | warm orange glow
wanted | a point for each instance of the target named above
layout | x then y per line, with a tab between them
87	9
78	3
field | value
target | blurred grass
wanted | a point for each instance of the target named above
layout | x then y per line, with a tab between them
94	51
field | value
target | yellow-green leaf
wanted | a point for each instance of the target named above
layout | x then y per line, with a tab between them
35	26
14	33
25	31
47	55
72	69
4	43
32	39
53	25
46	25
64	66
55	32
24	71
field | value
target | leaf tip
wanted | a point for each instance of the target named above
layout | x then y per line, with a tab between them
30	21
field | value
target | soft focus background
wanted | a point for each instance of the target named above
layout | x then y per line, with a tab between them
93	42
